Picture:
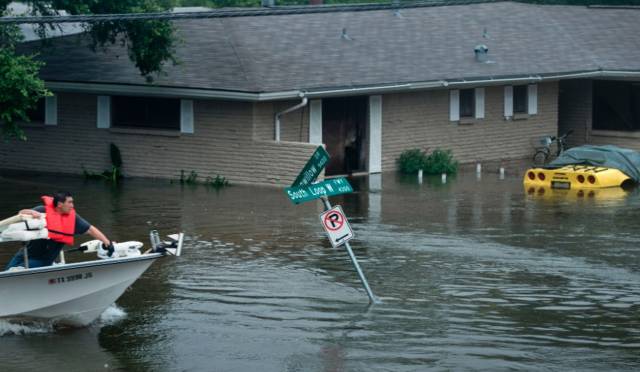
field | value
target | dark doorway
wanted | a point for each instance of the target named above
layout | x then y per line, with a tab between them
344	123
616	105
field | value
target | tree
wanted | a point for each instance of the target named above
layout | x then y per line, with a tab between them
20	86
150	44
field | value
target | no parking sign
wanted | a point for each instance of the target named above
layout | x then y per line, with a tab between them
336	225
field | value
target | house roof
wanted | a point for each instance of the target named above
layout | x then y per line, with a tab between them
309	52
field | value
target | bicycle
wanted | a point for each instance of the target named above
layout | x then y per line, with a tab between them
543	151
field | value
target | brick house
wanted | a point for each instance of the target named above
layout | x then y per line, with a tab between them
253	96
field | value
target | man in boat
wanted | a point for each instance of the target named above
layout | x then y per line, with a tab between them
62	224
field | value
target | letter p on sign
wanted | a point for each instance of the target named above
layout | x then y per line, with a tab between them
336	225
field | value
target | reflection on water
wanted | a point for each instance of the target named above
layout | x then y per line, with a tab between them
474	274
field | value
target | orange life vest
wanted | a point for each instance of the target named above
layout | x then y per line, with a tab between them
61	226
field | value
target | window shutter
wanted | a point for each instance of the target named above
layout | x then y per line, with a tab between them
315	122
479	103
104	112
533	99
186	116
508	102
454	105
51	110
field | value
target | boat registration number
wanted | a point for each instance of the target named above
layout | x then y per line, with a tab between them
71	278
560	185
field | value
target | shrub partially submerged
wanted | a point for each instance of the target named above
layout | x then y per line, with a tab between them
438	162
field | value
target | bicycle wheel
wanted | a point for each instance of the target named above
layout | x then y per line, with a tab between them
540	158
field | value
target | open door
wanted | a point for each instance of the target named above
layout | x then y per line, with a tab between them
344	123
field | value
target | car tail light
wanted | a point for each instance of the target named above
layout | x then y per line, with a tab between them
531	175
580	178
541	176
591	179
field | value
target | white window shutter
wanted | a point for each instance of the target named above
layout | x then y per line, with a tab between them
51	110
479	93
454	105
508	101
315	122
532	93
186	116
104	112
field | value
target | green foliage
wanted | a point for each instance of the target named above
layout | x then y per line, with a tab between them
20	90
192	179
410	161
149	43
438	162
216	182
116	157
113	174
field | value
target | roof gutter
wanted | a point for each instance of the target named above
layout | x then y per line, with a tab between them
198	93
160	91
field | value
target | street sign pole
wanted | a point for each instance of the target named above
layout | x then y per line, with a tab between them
354	260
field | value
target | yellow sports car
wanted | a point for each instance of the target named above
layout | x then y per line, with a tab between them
587	167
575	177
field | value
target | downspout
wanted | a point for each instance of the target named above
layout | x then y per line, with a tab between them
292	108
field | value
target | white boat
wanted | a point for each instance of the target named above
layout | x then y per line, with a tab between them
75	294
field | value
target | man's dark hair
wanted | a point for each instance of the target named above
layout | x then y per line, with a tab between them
60	197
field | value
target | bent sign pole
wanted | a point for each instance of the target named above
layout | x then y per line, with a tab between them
304	189
354	260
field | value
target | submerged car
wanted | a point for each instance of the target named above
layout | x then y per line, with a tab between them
588	167
602	194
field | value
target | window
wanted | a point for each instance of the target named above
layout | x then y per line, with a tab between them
36	114
520	99
145	113
616	105
467	103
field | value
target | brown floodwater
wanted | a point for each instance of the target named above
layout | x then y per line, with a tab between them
474	274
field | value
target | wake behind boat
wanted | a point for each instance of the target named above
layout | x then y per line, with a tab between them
75	294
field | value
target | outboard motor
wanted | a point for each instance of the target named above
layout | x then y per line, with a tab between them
173	246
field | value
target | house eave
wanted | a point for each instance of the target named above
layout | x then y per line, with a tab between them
162	91
196	93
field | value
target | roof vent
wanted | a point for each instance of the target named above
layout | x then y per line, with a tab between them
481	53
345	35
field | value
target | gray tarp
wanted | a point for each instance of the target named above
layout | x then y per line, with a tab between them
627	161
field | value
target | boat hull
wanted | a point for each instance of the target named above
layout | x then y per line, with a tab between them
71	294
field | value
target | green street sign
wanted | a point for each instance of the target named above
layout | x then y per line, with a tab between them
312	169
330	187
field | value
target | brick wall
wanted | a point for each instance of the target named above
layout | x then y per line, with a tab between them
421	120
235	139
294	126
223	143
630	140
575	110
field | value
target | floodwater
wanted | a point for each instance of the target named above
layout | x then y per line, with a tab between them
476	274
